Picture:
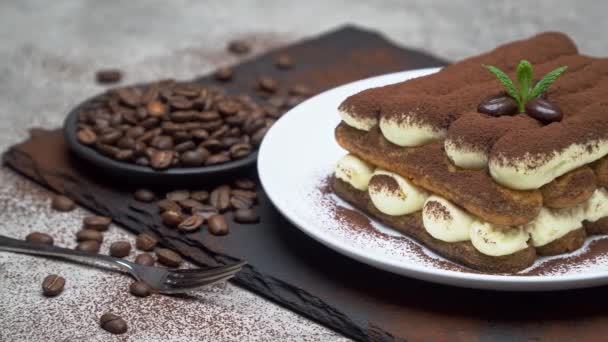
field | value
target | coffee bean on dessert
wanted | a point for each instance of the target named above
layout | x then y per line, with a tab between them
52	285
224	74
200	195
100	223
144	195
268	84
89	234
120	249
62	203
191	223
89	246
140	289
113	324
218	225
161	159
239	47
284	61
246	216
168	257
144	259
39	238
220	197
171	218
498	105
167	205
108	76
86	136
244	184
145	242
178	195
544	110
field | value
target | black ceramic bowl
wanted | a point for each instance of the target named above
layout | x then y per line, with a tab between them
133	173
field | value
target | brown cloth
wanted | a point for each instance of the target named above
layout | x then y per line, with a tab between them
288	267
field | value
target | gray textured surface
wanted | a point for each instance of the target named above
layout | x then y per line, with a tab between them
48	55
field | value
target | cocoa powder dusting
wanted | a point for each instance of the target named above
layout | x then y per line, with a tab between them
384	182
438	210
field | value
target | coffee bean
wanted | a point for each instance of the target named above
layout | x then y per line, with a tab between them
144	259
224	74
140	289
240	150
228	107
89	234
62	203
246	216
168	257
161	159
167	205
300	90
200	134
239	47
251	195
498	105
178	195
52	285
544	110
120	249
100	223
113	324
156	109
87	136
135	131
200	195
108	75
217	159
191	223
126	142
284	61
190	204
145	242
196	157
239	202
244	183
162	142
110	137
89	246
211	145
149	95
39	238
171	218
129	96
268	84
185	146
144	195
218	225
257	137
206	211
220	197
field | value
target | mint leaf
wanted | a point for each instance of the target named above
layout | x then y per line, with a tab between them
546	82
506	82
525	74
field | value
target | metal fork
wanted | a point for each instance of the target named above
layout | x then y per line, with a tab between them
162	280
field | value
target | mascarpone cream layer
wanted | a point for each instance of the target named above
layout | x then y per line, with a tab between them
466	158
364	123
408	132
354	171
394	195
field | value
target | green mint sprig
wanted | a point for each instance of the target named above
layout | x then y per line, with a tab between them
525	76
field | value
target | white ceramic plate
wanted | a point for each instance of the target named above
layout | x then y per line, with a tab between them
299	153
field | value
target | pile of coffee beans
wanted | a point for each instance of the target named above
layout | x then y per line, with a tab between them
173	124
187	211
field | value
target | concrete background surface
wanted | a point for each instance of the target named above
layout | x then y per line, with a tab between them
49	51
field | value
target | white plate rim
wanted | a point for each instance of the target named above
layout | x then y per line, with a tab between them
443	276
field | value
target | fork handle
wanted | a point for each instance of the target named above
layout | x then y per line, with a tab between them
21	246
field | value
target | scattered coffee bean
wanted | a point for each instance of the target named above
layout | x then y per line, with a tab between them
140	289
218	225
300	90
191	223
100	223
268	84
144	259
171	218
168	257
113	324
284	61
168	205
245	193
224	74
178	195
220	197
89	246
52	285
120	249
144	195
89	234
240	202
62	203
246	216
190	204
544	110
498	105
206	211
39	238
244	183
200	196
239	47
108	76
145	242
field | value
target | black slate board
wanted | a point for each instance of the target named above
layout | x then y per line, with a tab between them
288	267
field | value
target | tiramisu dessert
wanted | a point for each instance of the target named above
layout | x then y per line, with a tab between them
490	162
